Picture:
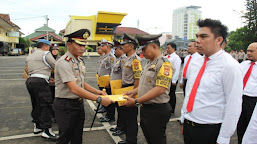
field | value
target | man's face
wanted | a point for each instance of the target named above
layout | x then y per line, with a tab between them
104	48
206	43
76	49
252	52
118	52
126	47
169	49
191	48
99	50
148	51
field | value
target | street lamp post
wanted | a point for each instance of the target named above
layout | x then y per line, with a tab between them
47	19
240	15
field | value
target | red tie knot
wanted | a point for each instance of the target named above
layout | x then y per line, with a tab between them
206	59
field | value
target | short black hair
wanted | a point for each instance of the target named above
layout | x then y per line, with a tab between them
217	28
41	44
173	45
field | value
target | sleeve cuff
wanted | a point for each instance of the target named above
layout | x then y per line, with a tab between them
222	140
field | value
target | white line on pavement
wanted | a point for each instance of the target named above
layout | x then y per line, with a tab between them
106	124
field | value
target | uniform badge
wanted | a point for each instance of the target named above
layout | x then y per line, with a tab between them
67	58
117	62
148	80
85	35
152	67
166	70
76	79
136	65
72	60
111	60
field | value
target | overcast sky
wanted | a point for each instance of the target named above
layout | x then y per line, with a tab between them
154	16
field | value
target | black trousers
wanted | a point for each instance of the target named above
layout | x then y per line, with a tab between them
128	123
52	89
70	117
200	134
184	86
245	117
153	121
172	95
41	100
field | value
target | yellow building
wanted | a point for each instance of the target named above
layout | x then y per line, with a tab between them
9	32
101	26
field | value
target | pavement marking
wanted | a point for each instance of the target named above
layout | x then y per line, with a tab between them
106	124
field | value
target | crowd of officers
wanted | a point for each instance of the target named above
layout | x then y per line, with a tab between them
220	94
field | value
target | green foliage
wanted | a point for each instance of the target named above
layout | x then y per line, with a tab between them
242	37
62	50
25	41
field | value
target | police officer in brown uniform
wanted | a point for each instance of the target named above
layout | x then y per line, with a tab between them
39	65
130	77
117	75
153	91
71	88
105	69
101	53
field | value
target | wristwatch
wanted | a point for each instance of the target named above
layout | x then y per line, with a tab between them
99	99
136	103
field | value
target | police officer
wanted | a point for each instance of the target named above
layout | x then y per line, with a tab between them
55	52
173	58
116	75
71	88
130	77
153	91
105	69
101	53
39	65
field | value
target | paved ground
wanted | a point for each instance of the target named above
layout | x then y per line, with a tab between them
15	108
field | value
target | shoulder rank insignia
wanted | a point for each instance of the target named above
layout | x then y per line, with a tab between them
67	58
111	59
165	59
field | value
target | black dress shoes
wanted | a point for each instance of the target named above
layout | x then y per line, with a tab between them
106	119
114	129
118	133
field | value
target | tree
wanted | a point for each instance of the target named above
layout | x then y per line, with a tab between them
25	41
242	37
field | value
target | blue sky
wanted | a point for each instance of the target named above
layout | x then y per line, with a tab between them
154	16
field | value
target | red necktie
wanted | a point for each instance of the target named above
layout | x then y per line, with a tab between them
195	86
168	56
186	66
247	75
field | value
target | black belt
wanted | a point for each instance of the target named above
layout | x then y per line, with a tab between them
153	105
127	85
77	99
194	124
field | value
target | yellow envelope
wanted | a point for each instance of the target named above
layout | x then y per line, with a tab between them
115	84
122	90
117	98
104	81
97	78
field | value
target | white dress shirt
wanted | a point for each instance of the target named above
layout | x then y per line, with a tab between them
175	59
250	136
194	56
219	94
251	85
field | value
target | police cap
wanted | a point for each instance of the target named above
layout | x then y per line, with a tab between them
128	39
116	44
43	41
79	36
145	40
105	42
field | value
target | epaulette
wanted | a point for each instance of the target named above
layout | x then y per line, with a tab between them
165	59
82	60
67	58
